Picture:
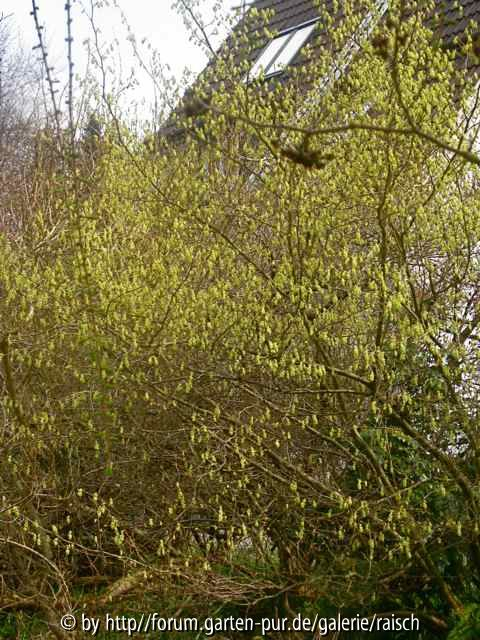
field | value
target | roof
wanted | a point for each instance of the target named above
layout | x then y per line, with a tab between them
289	13
455	16
450	19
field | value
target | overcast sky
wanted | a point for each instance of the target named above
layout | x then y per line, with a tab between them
154	20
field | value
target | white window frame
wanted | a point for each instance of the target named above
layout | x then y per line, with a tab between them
280	51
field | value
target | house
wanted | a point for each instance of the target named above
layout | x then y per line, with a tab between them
294	22
271	39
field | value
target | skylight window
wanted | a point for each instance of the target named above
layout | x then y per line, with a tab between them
280	52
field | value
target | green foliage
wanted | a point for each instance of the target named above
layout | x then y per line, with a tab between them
234	383
7	627
22	626
468	626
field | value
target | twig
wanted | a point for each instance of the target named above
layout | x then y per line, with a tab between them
48	69
69	40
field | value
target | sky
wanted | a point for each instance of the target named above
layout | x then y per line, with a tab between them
168	41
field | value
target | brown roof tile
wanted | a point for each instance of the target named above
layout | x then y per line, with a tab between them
452	21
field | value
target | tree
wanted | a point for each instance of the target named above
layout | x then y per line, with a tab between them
235	378
19	120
